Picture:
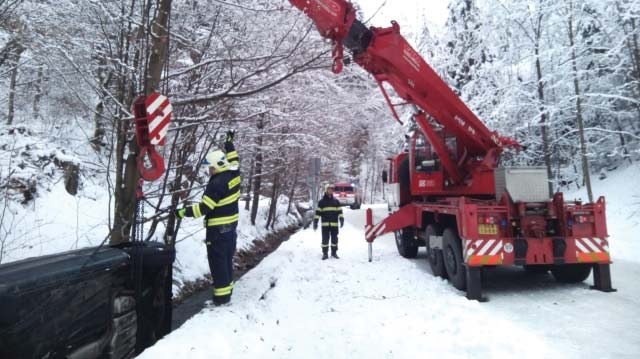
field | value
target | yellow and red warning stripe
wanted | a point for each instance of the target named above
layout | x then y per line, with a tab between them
589	250
481	252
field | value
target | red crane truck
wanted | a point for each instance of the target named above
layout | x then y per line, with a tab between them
448	192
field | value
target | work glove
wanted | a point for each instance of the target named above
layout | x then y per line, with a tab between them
231	134
228	141
341	222
180	213
315	225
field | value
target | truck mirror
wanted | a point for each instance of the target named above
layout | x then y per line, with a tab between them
385	176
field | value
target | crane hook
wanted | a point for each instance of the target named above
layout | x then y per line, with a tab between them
156	167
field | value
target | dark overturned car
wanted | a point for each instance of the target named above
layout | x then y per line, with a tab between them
101	302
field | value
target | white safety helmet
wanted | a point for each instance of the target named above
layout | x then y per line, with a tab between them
327	186
216	159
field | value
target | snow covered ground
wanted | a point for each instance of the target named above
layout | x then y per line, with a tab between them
296	306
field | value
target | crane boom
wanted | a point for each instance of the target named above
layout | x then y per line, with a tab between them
387	55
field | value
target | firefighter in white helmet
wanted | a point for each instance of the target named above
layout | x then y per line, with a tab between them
219	206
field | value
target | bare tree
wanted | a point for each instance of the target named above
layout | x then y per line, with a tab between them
576	86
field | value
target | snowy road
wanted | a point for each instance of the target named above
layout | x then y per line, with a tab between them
296	306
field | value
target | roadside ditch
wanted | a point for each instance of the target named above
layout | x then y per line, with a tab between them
191	298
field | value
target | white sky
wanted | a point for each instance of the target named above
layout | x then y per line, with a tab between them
408	13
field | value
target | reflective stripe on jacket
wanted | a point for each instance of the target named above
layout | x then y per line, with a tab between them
329	211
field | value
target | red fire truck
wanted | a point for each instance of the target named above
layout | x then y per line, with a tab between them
448	193
348	194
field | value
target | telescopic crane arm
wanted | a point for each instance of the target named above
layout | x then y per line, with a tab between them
387	55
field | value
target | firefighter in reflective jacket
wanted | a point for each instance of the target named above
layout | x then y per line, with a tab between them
330	212
219	207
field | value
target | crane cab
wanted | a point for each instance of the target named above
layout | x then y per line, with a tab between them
416	172
425	170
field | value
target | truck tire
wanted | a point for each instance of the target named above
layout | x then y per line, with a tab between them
571	273
406	244
434	255
453	263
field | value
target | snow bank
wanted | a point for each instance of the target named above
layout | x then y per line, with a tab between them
54	222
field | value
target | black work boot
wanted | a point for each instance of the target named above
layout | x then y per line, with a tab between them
217	302
325	256
223	300
335	255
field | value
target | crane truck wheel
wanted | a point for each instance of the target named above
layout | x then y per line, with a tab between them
406	244
434	255
452	255
571	273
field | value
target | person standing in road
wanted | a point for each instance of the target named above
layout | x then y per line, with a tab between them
219	207
330	212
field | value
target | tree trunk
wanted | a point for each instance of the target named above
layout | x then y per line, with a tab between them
631	42
12	84
126	181
126	168
255	200
623	142
122	210
248	198
98	118
543	111
366	179
98	132
294	184
636	51
257	175
172	223
579	119
38	96
558	178
125	200
374	179
71	177
159	44
273	203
